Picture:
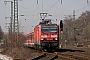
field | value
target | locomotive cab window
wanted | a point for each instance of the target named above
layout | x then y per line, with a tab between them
45	29
49	29
53	29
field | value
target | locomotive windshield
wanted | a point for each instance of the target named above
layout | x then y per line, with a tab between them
45	29
53	29
49	29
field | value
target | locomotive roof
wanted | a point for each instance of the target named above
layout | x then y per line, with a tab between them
47	25
46	22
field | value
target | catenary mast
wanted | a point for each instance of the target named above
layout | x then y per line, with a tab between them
15	25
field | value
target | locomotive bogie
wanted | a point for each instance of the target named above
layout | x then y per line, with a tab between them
49	44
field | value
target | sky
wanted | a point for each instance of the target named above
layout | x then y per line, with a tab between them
30	9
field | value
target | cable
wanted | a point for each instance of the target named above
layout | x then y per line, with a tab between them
27	9
52	6
32	22
83	8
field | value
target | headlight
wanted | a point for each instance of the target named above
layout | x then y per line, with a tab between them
42	39
55	38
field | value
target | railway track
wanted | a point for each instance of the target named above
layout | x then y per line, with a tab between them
59	56
46	56
52	56
71	56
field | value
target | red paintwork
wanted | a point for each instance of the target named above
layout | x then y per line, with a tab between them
37	35
28	40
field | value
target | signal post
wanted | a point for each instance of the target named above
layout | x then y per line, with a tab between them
61	34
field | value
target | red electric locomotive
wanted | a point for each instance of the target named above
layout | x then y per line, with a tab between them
45	36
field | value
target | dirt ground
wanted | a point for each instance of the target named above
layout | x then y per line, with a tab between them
22	52
28	53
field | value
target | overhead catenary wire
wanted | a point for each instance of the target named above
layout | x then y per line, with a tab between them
82	8
62	6
31	23
27	9
32	15
61	3
53	5
30	11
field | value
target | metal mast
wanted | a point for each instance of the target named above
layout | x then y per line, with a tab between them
74	27
15	26
11	15
11	18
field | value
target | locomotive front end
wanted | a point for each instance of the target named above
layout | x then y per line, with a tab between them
49	37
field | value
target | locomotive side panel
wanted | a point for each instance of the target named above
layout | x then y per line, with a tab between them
37	34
